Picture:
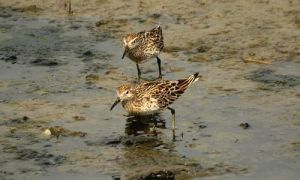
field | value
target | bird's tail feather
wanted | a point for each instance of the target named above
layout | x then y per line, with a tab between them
195	77
184	83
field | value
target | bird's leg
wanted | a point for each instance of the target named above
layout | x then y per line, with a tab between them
154	120
154	124
173	121
159	67
139	72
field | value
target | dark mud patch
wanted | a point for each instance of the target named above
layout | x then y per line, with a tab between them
10	58
110	28
59	131
127	141
15	121
44	42
4	174
29	9
89	55
181	169
10	54
22	123
273	81
7	12
92	78
163	174
41	157
45	62
4	14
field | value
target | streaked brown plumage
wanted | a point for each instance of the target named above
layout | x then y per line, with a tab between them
144	45
151	97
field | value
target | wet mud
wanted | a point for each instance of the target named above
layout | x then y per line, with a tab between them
59	69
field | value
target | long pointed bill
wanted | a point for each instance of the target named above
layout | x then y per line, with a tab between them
115	103
124	53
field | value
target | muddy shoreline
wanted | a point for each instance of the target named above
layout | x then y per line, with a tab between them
59	72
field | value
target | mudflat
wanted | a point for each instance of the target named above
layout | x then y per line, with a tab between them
59	68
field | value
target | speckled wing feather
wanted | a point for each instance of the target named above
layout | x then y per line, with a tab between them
165	91
155	37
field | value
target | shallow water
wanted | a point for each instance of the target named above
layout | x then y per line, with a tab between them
62	71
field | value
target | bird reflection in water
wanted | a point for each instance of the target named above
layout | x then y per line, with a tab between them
147	125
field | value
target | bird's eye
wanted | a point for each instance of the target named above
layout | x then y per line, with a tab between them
127	92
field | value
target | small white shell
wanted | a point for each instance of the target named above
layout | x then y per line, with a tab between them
47	132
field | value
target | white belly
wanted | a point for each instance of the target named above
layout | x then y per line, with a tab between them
148	106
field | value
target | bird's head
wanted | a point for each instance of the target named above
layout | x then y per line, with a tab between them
124	93
130	41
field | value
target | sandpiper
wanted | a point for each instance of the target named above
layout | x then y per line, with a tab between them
151	97
142	46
